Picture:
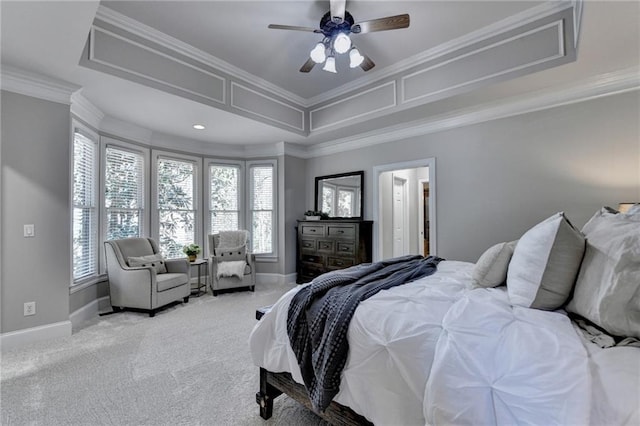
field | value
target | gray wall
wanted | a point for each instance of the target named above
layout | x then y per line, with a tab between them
497	179
294	199
35	190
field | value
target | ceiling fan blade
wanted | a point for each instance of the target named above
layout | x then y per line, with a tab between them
293	27
367	64
381	24
337	8
308	66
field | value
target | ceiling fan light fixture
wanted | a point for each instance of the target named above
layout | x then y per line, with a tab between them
341	43
330	64
318	53
355	58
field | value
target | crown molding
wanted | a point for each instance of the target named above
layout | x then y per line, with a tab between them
608	84
492	30
132	26
85	110
36	85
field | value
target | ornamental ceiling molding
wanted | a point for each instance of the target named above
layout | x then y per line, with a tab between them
603	85
470	44
37	85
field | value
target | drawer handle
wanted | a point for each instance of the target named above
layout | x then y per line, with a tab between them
340	232
312	230
345	248
339	263
307	245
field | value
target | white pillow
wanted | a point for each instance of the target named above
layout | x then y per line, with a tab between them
545	264
608	287
155	260
491	268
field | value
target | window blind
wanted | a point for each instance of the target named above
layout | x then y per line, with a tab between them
124	193
261	207
224	197
85	214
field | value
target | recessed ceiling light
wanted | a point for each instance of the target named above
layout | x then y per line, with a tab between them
198	126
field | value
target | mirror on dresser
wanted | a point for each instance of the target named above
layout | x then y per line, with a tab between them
340	195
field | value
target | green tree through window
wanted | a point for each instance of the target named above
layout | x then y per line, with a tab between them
176	207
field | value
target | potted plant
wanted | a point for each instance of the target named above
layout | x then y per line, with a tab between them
192	251
315	215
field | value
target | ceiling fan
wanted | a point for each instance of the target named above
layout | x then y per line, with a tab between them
336	25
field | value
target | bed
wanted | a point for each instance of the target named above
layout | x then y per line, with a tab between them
556	345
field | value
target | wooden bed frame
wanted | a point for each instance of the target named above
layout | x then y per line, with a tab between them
273	385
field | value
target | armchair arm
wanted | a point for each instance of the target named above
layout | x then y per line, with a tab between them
180	266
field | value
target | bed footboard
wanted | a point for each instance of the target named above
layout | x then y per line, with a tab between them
273	385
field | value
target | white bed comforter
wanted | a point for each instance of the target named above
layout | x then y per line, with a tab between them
437	352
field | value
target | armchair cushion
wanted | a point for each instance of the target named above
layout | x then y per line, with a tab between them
169	281
155	260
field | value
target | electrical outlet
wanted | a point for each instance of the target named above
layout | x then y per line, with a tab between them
29	231
29	308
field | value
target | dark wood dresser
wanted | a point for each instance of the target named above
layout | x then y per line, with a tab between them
326	245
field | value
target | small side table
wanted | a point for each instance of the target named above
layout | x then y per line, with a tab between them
201	288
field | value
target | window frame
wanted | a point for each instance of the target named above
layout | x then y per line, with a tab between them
158	155
106	142
85	131
273	256
241	192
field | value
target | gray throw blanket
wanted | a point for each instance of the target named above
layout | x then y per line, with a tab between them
319	316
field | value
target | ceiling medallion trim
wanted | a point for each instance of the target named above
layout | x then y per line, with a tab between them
608	84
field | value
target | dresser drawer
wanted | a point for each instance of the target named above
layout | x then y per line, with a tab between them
339	263
313	258
325	246
308	245
341	231
309	230
308	273
347	249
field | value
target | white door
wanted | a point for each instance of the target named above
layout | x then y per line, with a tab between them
399	214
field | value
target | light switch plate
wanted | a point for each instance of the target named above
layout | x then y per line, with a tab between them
29	231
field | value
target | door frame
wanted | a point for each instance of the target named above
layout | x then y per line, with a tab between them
377	207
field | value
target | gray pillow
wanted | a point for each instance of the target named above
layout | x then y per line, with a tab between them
155	260
545	264
608	287
491	268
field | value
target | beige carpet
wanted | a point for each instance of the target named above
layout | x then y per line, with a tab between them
190	365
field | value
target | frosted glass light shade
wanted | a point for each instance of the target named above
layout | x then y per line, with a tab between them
355	58
341	43
317	54
330	64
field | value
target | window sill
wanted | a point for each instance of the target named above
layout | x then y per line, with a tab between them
266	259
86	283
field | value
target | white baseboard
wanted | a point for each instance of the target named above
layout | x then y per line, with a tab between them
88	311
274	279
19	338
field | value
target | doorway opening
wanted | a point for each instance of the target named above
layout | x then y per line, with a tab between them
404	209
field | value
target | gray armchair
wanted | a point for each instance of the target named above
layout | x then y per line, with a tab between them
232	265
140	278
